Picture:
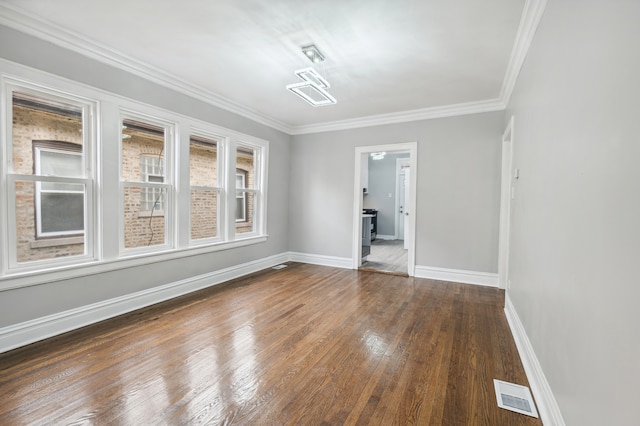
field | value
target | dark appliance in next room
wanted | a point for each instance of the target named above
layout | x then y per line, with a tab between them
374	221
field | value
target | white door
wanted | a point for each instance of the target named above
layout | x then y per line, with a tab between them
401	197
407	206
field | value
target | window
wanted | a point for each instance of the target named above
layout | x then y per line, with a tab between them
49	178
146	188
59	206
204	172
168	195
241	197
151	171
250	161
227	191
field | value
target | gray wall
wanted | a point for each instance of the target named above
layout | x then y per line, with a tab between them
458	193
382	182
31	302
576	215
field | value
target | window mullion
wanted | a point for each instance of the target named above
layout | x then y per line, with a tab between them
13	177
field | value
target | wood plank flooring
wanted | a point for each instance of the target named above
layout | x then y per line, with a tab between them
303	345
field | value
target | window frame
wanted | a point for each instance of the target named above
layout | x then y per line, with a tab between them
215	134
168	213
89	107
260	149
101	120
58	147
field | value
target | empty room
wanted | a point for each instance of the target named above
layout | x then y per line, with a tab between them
319	212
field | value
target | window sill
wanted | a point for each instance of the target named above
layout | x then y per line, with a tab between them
18	279
54	242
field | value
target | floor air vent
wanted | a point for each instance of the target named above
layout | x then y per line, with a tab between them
515	398
279	266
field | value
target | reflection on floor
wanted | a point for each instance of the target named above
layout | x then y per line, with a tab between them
387	256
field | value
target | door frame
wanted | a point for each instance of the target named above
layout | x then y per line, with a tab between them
412	148
506	197
396	222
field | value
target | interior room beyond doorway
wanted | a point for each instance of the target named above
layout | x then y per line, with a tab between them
385	194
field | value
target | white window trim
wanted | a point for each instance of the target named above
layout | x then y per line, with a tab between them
91	144
102	121
215	134
169	213
60	271
261	161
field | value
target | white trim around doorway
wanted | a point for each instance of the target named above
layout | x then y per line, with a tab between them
396	224
412	148
506	197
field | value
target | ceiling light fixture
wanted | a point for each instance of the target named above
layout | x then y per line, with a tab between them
378	155
312	84
313	53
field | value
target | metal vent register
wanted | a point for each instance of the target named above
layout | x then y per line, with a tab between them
515	398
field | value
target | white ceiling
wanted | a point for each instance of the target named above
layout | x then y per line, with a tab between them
384	57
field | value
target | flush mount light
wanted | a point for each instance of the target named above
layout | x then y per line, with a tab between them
313	53
378	155
312	88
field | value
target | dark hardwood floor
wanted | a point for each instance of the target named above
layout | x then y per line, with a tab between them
302	345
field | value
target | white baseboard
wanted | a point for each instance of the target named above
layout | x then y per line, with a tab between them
386	237
31	331
27	332
546	402
317	259
457	276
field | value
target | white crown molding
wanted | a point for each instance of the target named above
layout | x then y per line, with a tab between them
17	19
545	400
403	117
457	276
529	21
533	9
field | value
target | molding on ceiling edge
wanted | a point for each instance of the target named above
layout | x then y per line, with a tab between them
19	20
403	117
531	15
529	21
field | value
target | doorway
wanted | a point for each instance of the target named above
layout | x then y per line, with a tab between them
506	197
378	247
